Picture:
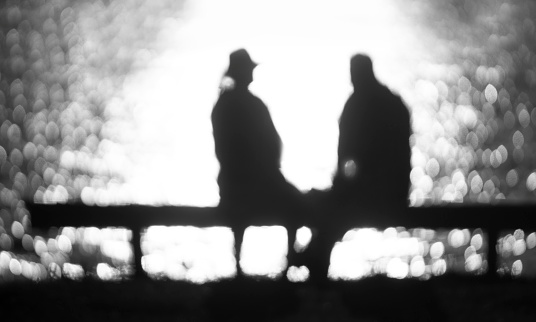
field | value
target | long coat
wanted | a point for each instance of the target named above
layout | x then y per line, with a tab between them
248	149
374	131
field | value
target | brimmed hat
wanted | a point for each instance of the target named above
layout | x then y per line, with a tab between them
240	61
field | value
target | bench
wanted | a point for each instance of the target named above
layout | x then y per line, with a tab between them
491	218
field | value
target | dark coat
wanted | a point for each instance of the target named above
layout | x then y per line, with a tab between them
248	149
374	131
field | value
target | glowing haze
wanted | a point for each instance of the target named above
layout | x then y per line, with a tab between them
303	48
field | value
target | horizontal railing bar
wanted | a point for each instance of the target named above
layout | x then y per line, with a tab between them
491	218
496	217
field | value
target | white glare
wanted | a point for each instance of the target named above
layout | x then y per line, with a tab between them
303	238
297	274
264	251
168	101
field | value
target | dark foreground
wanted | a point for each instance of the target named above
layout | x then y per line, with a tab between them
373	299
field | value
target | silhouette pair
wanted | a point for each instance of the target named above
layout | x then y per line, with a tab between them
373	155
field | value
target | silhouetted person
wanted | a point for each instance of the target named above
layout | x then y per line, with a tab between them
248	147
373	167
374	153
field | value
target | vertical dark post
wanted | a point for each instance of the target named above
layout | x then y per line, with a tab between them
493	236
136	245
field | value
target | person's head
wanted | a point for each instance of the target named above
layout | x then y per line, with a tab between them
361	71
241	68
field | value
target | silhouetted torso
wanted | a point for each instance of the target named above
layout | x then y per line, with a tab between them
374	133
247	143
248	148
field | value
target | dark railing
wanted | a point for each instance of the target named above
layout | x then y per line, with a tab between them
491	218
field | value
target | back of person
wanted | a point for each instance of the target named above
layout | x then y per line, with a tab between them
374	152
248	148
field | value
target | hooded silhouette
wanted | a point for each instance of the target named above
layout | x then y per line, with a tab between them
373	160
248	147
373	153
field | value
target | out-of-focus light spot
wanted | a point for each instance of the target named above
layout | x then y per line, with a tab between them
466	115
64	244
490	93
427	91
517	268
504	153
29	270
17	230
512	178
456	238
73	271
437	250
15	267
29	151
389	232
477	241
188	253
476	184
16	158
92	236
3	155
439	267
107	273
87	195
531	240
350	169
464	84
469	251
509	120
496	159
396	268
531	181
473	262
303	238
54	270
519	234
519	247
519	155
489	187
524	118
507	245
298	274
432	167
5	258
52	245
264	250
39	246
154	264
41	272
68	159
417	267
119	250
6	241
27	243
518	139
425	184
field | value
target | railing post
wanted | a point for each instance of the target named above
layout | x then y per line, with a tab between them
493	236
136	245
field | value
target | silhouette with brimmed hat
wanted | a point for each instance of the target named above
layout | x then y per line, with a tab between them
241	66
253	190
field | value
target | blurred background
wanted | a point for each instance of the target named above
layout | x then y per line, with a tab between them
109	102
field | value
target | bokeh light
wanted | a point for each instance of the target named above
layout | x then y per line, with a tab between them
404	253
102	125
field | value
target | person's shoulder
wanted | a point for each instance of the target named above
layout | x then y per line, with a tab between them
254	97
255	101
392	96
